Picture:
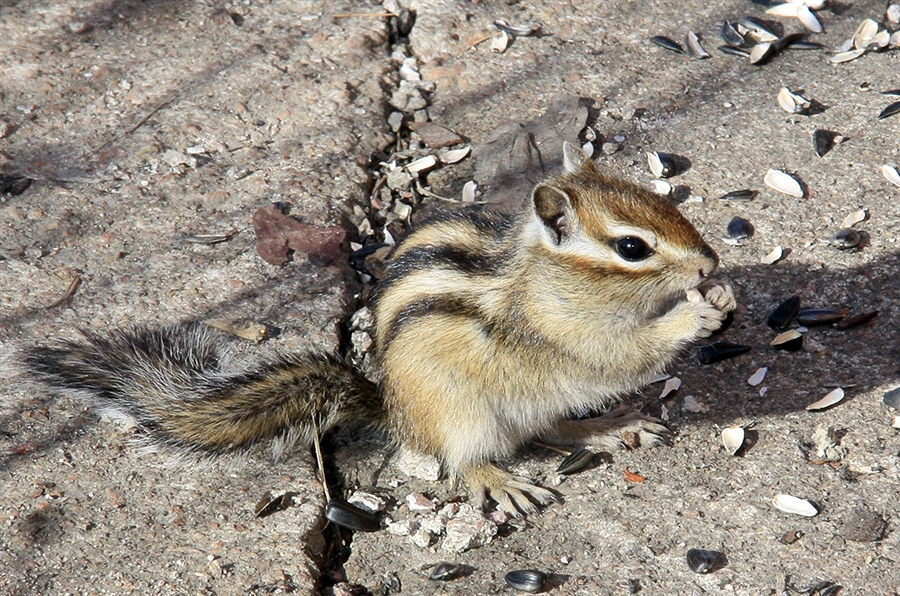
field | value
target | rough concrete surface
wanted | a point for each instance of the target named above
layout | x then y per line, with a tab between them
102	101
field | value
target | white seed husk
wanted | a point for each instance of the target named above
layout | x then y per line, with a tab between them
815	4
895	40
866	30
774	256
455	155
794	505
661	187
672	384
854	218
468	192
788	9
588	149
784	183
782	338
808	19
760	52
895	422
656	165
891	173
694	47
882	39
500	42
847	56
758	377
421	164
733	439
893	13
833	397
791	102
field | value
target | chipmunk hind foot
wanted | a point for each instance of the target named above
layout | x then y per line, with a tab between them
516	496
606	431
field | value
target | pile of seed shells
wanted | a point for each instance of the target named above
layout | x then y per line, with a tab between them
760	41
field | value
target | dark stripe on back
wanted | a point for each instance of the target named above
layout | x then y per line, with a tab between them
442	304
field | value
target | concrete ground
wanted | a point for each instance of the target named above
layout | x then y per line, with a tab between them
146	124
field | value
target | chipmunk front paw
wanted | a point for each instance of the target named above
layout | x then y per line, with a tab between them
705	309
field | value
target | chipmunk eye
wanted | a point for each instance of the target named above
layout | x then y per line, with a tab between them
632	248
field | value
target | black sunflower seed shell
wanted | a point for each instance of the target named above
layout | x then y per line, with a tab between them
526	580
721	350
347	515
784	313
667	43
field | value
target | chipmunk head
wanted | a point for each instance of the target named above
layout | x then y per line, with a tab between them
607	229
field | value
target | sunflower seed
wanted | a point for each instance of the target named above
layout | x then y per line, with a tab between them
757	29
422	164
734	51
856	320
847	56
890	110
526	580
854	218
739	195
500	42
761	52
823	141
757	377
662	165
808	19
881	40
455	155
788	9
790	341
730	35
341	513
468	192
794	505
845	239
866	30
575	462
892	398
721	350
792	103
803	44
694	47
739	228
701	560
444	572
891	174
784	183
516	31
667	43
773	257
829	400
812	317
733	439
784	313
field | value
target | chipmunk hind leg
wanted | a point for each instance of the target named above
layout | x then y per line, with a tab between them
514	496
605	431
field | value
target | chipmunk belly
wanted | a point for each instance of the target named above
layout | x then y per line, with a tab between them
467	393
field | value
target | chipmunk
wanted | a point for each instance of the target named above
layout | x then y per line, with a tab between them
489	331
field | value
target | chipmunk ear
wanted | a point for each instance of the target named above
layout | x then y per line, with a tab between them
575	160
554	207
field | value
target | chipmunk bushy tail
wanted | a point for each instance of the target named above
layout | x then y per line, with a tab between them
183	387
